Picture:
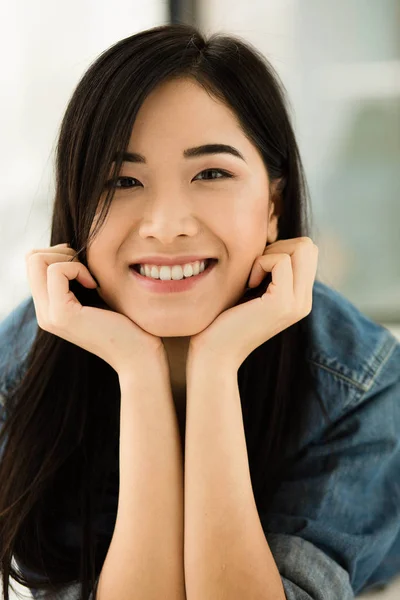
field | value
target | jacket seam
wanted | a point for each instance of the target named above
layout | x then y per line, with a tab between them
359	386
338	375
382	364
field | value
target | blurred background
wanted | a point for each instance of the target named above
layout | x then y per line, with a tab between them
340	64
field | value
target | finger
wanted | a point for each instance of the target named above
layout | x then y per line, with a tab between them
281	246
37	264
262	265
304	260
60	248
287	245
280	267
36	268
59	274
304	256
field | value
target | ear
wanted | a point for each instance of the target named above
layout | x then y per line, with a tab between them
275	208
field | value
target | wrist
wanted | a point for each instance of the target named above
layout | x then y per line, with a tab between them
152	369
206	361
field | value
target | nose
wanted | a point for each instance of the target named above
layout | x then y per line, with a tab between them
168	218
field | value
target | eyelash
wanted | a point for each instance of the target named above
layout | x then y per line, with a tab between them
225	174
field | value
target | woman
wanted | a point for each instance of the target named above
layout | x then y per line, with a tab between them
244	391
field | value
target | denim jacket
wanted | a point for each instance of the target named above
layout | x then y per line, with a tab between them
334	524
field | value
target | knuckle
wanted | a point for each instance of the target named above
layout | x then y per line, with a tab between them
30	253
307	239
34	255
43	324
53	266
307	307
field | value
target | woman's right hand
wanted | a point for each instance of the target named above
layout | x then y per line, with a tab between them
108	334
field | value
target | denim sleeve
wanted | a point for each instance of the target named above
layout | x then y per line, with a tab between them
336	514
17	332
8	367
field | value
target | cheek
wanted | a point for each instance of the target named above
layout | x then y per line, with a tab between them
248	217
249	237
100	255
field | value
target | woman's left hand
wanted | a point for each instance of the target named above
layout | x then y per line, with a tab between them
236	332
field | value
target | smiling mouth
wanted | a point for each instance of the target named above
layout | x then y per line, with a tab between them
208	262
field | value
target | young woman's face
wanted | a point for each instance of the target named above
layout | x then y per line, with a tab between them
169	206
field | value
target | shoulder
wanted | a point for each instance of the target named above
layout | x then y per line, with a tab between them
321	531
352	356
17	332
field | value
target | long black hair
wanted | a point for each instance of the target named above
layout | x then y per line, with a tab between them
61	436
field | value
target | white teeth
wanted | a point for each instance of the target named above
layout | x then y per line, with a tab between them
176	272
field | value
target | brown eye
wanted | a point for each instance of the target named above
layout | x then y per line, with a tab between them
223	173
125	183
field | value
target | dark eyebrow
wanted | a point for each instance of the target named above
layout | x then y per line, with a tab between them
134	157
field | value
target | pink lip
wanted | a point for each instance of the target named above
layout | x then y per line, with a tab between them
165	260
179	285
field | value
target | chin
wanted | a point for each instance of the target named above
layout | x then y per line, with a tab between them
167	327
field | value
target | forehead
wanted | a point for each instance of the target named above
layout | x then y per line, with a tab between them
179	116
183	99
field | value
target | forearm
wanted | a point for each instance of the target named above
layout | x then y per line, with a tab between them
145	557
226	551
